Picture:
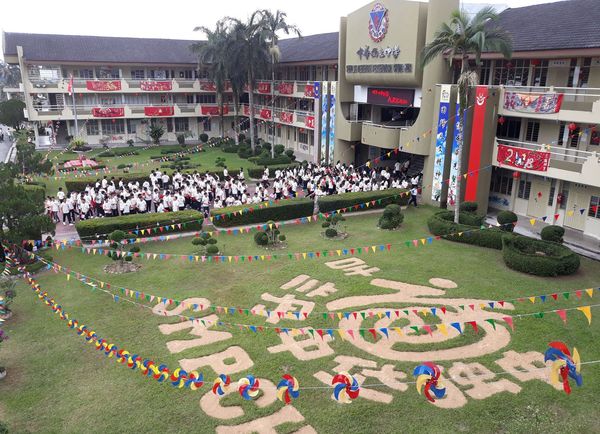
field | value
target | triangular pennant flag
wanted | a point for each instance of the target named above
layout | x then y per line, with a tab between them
492	322
510	322
442	329
562	314
457	326
587	311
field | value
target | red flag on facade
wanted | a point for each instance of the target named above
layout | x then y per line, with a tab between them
70	86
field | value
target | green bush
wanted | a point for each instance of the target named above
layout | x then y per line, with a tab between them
231	149
279	149
331	233
284	210
266	160
198	242
442	224
553	233
261	239
290	154
212	249
381	198
282	237
211	241
128	258
507	219
392	217
468	207
190	221
538	257
106	154
203	137
135	249
325	224
244	152
181	139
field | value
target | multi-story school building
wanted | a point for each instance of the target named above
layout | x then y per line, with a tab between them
531	133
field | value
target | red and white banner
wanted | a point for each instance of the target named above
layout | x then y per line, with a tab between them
265	114
309	121
263	87
286	118
156	86
159	111
208	86
213	110
103	86
285	88
527	102
309	90
481	96
108	112
520	158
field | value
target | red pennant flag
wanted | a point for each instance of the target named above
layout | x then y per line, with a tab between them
427	328
578	294
374	333
474	325
562	314
443	309
509	321
554	296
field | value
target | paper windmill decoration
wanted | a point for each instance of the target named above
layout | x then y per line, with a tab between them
563	365
346	387
287	389
248	387
221	385
428	374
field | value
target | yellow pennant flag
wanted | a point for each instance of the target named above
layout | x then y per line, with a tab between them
442	329
373	248
587	311
590	292
380	315
570	213
340	315
532	221
465	175
304	255
423	240
532	299
341	333
68	277
398	330
262	257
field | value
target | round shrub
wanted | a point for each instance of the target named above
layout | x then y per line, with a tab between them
392	217
261	238
325	224
128	258
197	241
282	238
507	219
212	250
538	257
553	233
331	233
135	249
203	137
211	241
279	149
117	236
468	207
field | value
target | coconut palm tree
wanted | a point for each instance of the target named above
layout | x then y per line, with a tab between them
213	54
274	23
250	49
466	38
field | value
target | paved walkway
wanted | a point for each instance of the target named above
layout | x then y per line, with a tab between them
5	145
578	242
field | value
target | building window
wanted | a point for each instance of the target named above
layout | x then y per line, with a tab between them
502	182
169	125
131	127
574	136
561	135
572	68
206	99
91	128
303	137
189	99
584	73
188	74
594	210
107	73
540	72
524	189
86	73
533	131
552	191
181	124
113	126
206	124
514	72
510	129
564	196
594	137
486	71
138	74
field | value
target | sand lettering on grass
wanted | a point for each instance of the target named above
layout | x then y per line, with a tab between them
216	361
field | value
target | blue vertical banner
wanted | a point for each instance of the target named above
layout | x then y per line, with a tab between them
440	144
456	142
332	91
324	92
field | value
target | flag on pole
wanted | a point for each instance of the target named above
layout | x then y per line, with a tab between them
70	86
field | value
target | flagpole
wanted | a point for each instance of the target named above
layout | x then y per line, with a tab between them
72	91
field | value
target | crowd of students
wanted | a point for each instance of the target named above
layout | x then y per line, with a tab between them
161	192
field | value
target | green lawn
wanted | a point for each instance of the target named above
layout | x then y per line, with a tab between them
57	383
206	160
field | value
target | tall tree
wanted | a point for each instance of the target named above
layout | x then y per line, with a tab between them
213	54
249	46
274	23
11	113
466	38
28	161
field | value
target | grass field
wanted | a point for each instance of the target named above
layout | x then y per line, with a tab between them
206	160
57	383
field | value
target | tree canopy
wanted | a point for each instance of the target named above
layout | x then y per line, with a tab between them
11	113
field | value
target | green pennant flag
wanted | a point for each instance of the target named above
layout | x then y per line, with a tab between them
407	243
361	332
312	332
274	256
415	328
462	306
405	312
364	315
122	290
360	250
566	295
325	315
325	253
214	308
492	322
176	303
247	311
243	258
539	315
379	201
290	255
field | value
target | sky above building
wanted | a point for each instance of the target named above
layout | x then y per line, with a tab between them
174	19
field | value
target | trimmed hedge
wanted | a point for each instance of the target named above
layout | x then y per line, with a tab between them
507	220
442	224
541	258
553	233
348	200
285	210
192	219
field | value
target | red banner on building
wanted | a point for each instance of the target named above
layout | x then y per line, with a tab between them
286	88
156	86
265	114
309	121
103	86
520	158
481	96
213	110
208	86
108	112
286	118
263	87
159	111
309	90
246	110
527	102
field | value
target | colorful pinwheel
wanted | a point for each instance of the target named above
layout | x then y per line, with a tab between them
221	385
428	374
248	387
563	365
288	389
346	387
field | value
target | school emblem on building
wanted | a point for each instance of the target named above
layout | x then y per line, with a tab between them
378	22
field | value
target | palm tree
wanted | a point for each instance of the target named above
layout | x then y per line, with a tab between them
467	38
237	79
274	23
250	49
213	53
